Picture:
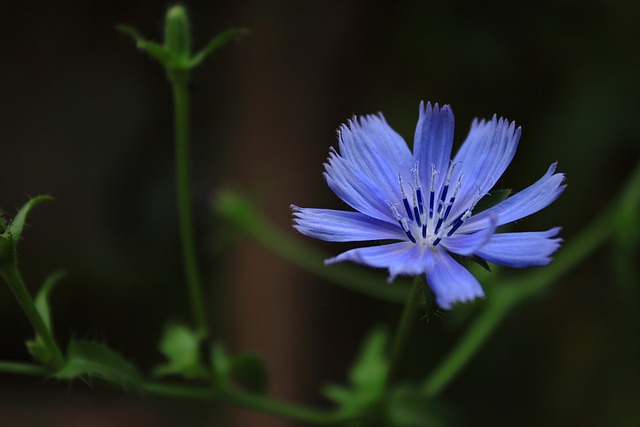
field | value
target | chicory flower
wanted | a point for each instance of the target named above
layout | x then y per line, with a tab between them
423	202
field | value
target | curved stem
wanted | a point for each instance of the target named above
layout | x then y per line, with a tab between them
179	81
405	325
513	292
12	276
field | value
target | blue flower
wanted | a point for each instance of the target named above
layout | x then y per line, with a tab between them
424	202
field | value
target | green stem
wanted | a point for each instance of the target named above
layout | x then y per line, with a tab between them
511	293
23	368
179	81
226	395
240	398
405	325
12	276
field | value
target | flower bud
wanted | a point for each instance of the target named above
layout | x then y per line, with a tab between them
177	40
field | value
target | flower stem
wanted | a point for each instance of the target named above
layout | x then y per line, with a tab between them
405	326
510	293
240	398
179	81
12	276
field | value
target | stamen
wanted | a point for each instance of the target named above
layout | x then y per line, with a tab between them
416	209
404	199
445	189
403	223
434	173
453	198
416	178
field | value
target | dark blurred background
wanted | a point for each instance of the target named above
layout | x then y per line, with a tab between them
86	117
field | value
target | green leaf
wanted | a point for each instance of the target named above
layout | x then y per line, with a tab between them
86	359
249	371
367	376
181	345
15	229
156	50
491	200
35	346
408	407
217	42
42	299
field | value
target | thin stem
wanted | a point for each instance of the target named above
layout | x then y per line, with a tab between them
240	398
513	292
23	368
405	325
12	276
179	82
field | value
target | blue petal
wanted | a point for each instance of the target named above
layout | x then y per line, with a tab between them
343	226
526	202
483	158
433	141
403	258
356	189
365	173
521	249
383	141
450	281
468	244
375	150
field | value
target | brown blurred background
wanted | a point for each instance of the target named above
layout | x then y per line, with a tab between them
87	118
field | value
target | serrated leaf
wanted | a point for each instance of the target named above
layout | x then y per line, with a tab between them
15	229
491	200
249	371
86	359
181	346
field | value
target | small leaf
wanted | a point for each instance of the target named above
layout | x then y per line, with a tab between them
156	50
181	346
370	370
15	229
35	346
249	371
491	200
42	299
216	43
368	377
92	359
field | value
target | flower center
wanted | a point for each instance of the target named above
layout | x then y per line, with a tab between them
428	224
